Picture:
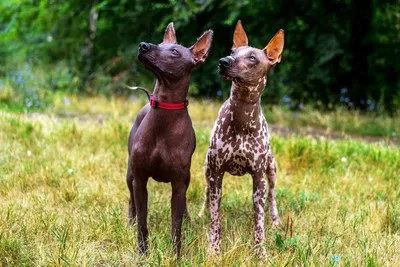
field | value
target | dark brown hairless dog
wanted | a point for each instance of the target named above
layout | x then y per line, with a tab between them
162	139
240	139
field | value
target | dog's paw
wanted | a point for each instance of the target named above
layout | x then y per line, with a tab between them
201	213
202	210
131	221
187	218
213	251
276	225
260	252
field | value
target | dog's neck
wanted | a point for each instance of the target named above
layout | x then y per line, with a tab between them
245	103
171	91
247	92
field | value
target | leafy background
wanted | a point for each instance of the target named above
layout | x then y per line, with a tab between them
337	52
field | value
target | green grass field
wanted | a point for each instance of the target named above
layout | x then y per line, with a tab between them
64	200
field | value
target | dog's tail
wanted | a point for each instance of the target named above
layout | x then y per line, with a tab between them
140	88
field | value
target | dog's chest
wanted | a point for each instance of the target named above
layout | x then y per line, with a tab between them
239	148
162	150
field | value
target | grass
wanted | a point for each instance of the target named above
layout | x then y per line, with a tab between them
63	197
340	120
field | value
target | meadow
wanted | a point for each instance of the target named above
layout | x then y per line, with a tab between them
64	199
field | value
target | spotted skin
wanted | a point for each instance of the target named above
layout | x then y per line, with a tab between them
240	142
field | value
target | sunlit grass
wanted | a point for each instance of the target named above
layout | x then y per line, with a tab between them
63	196
205	111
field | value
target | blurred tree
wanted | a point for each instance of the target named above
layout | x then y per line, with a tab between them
361	20
336	51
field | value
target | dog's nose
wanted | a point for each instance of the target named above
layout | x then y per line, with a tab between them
225	62
144	46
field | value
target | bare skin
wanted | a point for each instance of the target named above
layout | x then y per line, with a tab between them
240	141
161	142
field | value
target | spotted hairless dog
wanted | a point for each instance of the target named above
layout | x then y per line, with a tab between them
162	139
240	140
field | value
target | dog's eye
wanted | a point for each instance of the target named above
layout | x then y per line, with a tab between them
252	58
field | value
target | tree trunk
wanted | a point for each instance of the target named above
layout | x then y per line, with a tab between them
361	17
87	51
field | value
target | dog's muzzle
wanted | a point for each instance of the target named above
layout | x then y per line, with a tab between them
144	47
225	63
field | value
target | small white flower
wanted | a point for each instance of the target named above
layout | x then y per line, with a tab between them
370	179
66	101
70	171
29	153
343	159
49	38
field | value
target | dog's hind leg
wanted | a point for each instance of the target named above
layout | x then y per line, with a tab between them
132	208
186	214
205	202
129	174
271	174
259	189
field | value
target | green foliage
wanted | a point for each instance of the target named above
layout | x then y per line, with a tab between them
336	52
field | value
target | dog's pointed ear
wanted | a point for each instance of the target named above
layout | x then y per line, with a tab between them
169	35
275	47
201	48
239	37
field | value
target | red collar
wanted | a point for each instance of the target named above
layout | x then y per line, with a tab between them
169	106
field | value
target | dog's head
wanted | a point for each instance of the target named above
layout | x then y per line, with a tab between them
171	60
247	64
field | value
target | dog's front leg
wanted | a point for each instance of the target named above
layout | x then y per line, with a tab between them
214	187
259	189
271	174
140	197
178	207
